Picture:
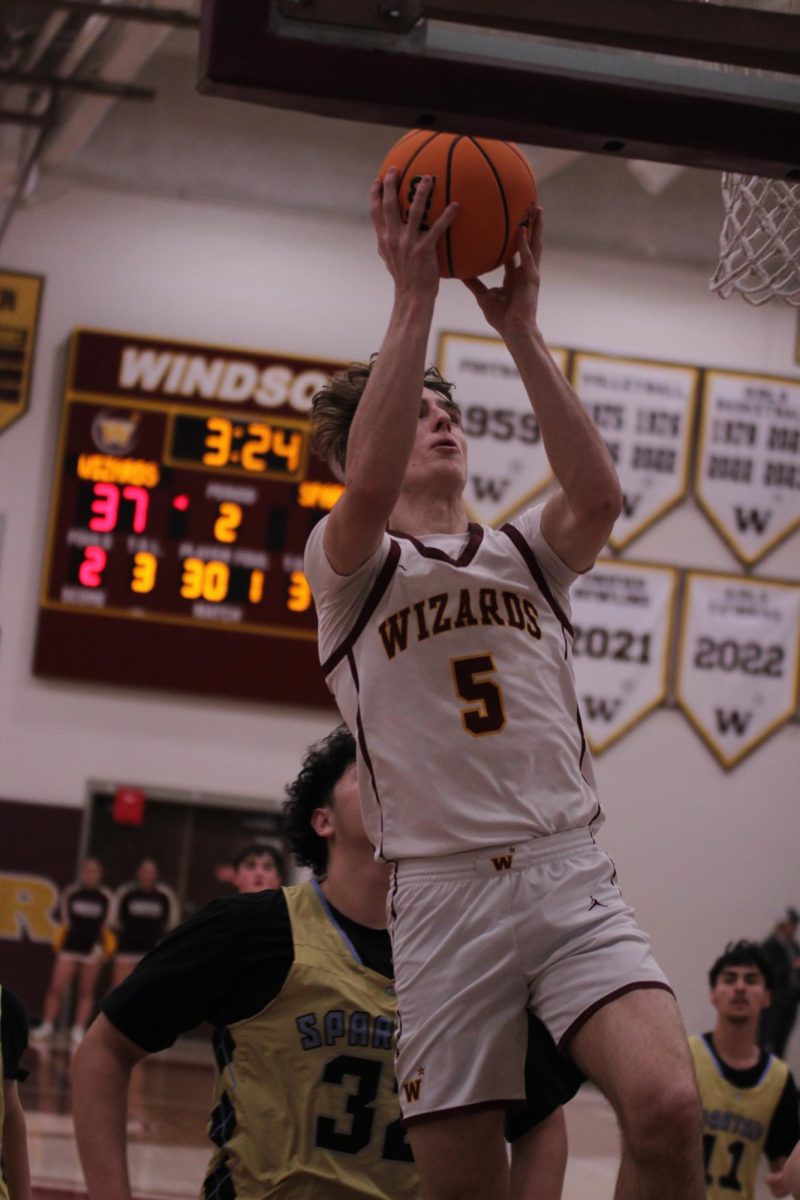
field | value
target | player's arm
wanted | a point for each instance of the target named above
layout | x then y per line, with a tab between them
382	434
578	518
15	1145
784	1176
101	1075
170	991
782	1144
13	1135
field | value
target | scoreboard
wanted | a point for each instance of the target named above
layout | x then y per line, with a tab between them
183	495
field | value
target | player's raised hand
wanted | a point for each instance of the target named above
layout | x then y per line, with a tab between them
513	305
408	249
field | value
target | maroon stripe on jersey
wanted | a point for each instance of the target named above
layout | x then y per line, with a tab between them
536	571
583	736
362	745
370	604
465	557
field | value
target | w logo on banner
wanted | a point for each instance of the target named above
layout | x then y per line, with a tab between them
739	638
752	518
732	721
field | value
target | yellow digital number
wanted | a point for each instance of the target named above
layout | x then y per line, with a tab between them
218	442
145	566
318	495
289	447
258	443
299	593
256	590
206	579
215	584
228	522
192	582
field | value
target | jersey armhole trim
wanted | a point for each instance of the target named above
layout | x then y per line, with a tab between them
370	604
536	571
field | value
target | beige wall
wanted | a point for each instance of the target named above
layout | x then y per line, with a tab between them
704	856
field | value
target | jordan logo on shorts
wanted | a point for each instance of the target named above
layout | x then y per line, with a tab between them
504	861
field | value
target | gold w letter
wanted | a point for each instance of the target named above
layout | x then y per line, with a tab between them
503	862
411	1089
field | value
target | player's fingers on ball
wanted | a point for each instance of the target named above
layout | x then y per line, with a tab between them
388	197
444	220
477	287
537	233
419	202
375	200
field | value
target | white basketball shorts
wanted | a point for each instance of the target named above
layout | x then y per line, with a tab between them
478	937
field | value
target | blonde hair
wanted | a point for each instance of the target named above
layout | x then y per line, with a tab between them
334	406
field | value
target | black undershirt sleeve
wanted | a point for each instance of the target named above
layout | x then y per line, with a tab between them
13	1034
784	1128
222	965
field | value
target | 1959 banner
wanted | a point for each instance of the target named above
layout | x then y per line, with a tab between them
508	465
622	614
738	660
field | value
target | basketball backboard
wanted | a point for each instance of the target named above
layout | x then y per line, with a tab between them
703	85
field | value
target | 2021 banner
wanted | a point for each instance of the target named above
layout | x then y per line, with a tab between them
622	614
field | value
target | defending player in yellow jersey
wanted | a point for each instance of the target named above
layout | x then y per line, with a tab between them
297	982
748	1096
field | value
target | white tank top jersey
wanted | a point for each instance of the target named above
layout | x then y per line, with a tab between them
450	660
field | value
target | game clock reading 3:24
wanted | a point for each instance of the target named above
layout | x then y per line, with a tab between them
183	496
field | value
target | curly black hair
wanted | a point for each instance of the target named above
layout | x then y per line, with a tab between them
323	767
742	954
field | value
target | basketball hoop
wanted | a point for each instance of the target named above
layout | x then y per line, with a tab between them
759	246
759	249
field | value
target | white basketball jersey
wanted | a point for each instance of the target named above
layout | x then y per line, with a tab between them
450	660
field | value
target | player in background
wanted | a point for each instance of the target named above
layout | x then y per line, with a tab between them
15	1181
748	1096
297	983
448	648
257	865
143	912
84	912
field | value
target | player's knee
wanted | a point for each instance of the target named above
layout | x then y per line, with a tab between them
664	1121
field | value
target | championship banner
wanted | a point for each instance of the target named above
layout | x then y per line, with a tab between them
20	296
645	413
622	614
748	465
508	466
738	660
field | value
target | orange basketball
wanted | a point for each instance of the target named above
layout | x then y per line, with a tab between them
491	181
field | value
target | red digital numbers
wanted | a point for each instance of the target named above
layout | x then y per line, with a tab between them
90	572
106	502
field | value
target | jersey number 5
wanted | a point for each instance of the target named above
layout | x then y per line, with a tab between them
486	713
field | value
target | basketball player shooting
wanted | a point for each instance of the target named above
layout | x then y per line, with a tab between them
448	648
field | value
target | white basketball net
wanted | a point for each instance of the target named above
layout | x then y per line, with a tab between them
759	247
